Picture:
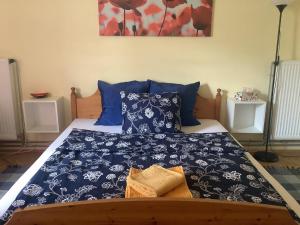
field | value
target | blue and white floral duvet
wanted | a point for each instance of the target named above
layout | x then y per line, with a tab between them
93	165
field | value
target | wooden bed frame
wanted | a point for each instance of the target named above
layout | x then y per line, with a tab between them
91	107
159	211
164	211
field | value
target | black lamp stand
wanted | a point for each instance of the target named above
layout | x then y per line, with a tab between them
266	156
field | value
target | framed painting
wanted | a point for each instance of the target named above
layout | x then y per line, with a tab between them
155	17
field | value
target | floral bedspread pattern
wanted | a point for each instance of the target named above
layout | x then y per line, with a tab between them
93	165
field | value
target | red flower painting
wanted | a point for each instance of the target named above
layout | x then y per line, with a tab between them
155	17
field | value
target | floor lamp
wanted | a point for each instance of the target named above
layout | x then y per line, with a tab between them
266	156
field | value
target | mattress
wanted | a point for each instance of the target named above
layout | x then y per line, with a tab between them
207	126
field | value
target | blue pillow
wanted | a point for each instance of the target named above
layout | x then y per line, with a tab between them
187	93
150	113
111	100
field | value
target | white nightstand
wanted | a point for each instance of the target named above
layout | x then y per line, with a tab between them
246	116
43	115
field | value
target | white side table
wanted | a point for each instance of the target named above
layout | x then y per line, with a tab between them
44	115
246	116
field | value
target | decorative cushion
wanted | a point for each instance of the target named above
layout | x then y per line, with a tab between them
111	101
150	113
187	93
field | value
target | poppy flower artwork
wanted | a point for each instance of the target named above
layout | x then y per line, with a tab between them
155	17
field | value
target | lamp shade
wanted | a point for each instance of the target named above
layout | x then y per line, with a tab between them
282	2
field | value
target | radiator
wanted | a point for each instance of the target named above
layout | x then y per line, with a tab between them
286	117
10	110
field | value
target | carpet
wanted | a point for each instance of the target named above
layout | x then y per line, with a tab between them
9	176
289	178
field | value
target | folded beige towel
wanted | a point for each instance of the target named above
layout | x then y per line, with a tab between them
181	191
155	181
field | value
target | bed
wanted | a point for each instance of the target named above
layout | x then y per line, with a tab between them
210	133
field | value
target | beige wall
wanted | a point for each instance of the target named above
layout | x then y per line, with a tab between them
57	46
297	31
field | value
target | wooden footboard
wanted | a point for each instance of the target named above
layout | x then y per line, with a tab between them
163	211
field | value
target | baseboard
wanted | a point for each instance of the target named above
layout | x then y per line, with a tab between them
41	138
31	145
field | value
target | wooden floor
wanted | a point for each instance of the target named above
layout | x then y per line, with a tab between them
19	156
26	156
287	158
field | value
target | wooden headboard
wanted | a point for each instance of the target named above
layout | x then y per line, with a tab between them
90	107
